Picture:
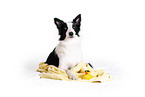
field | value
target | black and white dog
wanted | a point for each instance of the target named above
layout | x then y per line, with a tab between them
68	51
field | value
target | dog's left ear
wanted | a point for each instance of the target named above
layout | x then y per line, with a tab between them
58	22
77	20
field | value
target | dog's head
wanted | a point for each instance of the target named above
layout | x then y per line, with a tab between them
70	29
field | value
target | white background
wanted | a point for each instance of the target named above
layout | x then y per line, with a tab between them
112	34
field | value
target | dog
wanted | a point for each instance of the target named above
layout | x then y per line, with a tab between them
68	52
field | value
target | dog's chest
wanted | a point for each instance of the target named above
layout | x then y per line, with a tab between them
69	52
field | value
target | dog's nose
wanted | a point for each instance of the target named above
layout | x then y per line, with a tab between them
70	33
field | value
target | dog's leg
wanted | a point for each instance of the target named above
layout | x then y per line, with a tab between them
68	71
71	75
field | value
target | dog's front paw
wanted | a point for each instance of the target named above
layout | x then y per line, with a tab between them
71	75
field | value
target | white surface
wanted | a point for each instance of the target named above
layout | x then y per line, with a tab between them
112	38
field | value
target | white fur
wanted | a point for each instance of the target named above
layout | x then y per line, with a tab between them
69	52
70	29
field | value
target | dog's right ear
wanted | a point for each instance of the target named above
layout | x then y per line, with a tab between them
58	22
77	20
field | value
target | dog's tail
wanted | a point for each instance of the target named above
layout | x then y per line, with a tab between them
90	65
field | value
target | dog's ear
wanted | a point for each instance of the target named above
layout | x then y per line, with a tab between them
58	22
77	20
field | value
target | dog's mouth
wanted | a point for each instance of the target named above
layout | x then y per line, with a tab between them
71	36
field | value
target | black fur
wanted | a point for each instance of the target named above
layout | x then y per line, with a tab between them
62	28
90	65
76	24
53	59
